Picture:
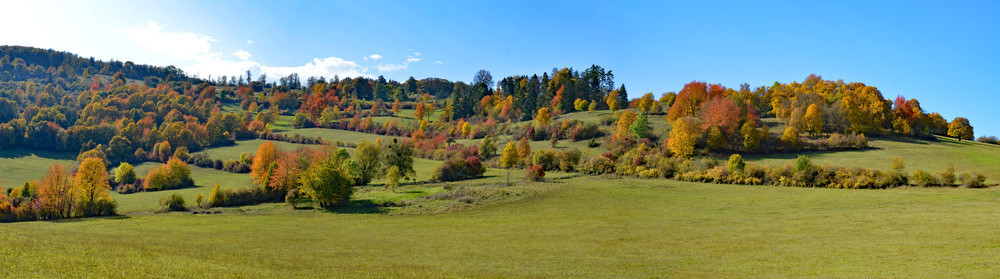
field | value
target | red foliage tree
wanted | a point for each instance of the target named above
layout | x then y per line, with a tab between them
723	113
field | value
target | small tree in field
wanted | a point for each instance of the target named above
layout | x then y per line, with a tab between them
392	178
509	158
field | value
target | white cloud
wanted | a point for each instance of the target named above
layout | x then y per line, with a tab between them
249	42
196	51
411	60
177	45
438	62
391	67
326	67
416	53
373	57
242	54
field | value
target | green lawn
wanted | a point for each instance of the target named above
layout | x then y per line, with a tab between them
581	227
933	156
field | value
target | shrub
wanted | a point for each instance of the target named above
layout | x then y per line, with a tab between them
802	163
593	143
457	168
568	160
173	175
535	173
948	176
199	200
736	163
651	173
172	202
973	180
546	159
599	165
217	197
923	178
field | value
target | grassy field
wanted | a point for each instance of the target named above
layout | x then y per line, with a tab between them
581	227
933	156
332	135
249	147
19	165
204	179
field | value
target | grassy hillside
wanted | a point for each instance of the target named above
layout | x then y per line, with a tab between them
19	165
928	155
583	227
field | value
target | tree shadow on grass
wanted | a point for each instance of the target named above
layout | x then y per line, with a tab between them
89	219
811	154
921	141
17	153
360	207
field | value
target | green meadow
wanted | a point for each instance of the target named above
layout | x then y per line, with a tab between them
577	227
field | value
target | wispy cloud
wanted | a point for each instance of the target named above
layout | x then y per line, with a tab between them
249	42
412	59
373	57
242	54
391	67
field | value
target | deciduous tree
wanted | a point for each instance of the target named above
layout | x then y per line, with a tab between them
683	136
960	129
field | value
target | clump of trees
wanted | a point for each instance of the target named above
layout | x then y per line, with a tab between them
175	174
60	194
325	176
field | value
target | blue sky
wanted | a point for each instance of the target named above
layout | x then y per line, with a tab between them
942	53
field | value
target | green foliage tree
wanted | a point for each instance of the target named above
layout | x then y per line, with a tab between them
327	183
399	154
487	149
736	163
751	136
369	158
640	127
392	178
125	174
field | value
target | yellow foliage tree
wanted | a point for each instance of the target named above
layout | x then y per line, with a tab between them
543	116
624	122
466	129
55	193
791	136
91	186
265	157
421	111
524	149
813	119
646	102
612	100
683	136
581	104
509	158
